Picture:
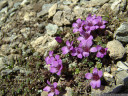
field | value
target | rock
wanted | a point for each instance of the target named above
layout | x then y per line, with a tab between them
25	32
6	72
78	11
118	5
121	76
122	65
106	74
67	2
25	2
52	10
27	16
93	3
3	4
44	43
75	1
51	29
45	9
44	93
121	33
2	63
116	49
69	92
57	18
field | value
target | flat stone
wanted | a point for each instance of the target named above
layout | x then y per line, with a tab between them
118	5
116	49
122	65
3	4
52	10
45	9
51	29
121	33
57	18
44	44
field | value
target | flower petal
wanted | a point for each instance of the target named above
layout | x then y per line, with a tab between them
57	92
99	54
100	74
88	75
98	83
65	50
93	84
55	84
95	71
47	88
68	43
48	82
53	70
93	49
51	94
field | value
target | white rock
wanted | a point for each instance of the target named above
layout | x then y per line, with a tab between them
52	10
116	49
106	74
122	65
44	44
24	2
51	29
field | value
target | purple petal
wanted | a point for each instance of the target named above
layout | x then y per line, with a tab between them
51	94
55	64
75	30
98	47
59	72
47	88
100	74
57	92
79	20
79	56
93	84
47	60
80	38
98	54
50	53
48	82
53	70
88	75
58	39
103	26
68	43
93	49
75	25
98	83
57	57
65	50
55	84
89	43
95	71
85	54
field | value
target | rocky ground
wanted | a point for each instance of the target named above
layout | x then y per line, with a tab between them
27	33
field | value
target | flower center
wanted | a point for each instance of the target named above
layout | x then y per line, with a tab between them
96	77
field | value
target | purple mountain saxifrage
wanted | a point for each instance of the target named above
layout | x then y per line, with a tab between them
95	77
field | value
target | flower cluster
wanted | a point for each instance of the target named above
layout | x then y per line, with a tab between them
83	49
55	63
85	28
51	89
95	76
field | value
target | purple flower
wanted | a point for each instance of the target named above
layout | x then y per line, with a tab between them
58	39
100	51
95	76
47	59
67	48
100	23
78	26
78	51
51	89
56	66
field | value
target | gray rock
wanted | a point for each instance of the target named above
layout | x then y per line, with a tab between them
116	49
44	43
121	33
25	2
3	4
51	29
45	9
67	2
2	63
121	76
52	10
57	18
78	11
122	65
17	4
6	72
118	5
